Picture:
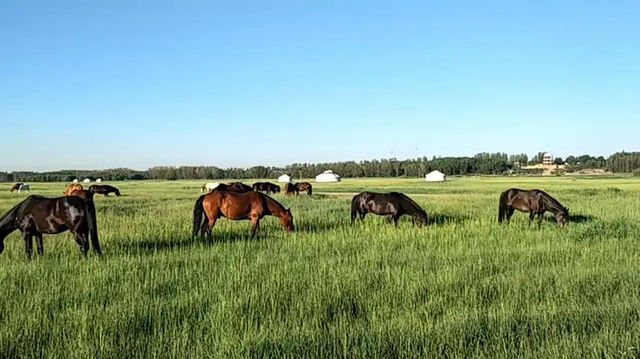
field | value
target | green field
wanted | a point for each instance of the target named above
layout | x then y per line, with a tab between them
461	287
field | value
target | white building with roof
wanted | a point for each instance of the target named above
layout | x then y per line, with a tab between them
328	176
285	178
435	176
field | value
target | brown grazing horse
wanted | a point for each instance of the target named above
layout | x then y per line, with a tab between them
237	187
304	186
16	186
266	187
290	189
237	206
534	202
71	188
39	215
393	205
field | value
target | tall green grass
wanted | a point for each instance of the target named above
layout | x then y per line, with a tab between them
463	286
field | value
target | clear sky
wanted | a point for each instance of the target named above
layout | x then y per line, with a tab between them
99	84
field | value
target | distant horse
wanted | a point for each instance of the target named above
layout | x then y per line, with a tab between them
393	205
38	215
16	186
208	187
236	206
304	186
237	187
266	187
71	188
290	189
104	189
534	202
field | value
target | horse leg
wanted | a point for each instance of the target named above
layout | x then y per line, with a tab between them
532	215
28	245
510	211
40	244
83	243
362	214
209	226
395	219
540	216
255	224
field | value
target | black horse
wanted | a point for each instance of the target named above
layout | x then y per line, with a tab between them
393	205
237	187
534	202
104	189
266	187
39	215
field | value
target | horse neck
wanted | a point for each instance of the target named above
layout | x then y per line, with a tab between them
411	204
552	205
275	208
7	223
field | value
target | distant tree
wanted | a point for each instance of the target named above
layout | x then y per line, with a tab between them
558	161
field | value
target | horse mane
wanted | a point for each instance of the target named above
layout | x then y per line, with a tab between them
270	199
553	203
410	202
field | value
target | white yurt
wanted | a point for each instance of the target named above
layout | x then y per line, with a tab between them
435	176
75	180
99	180
86	180
285	178
328	176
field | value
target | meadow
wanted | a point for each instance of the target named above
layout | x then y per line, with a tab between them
462	287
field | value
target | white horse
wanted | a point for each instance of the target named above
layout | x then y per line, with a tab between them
209	186
24	187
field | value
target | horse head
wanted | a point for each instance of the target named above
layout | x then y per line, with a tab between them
562	217
286	220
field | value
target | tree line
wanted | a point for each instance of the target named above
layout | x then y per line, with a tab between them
481	163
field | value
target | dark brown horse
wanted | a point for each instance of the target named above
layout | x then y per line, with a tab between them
16	186
236	206
290	189
71	188
104	189
237	187
393	205
304	186
534	202
266	187
38	215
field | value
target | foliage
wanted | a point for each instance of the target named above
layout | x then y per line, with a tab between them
481	163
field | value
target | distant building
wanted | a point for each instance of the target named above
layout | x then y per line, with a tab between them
285	178
328	176
99	180
435	176
547	159
75	180
86	180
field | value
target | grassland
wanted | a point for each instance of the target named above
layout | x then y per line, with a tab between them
463	287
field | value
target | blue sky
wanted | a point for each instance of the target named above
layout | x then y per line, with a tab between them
99	84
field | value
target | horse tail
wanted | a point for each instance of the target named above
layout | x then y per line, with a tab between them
93	226
354	207
502	207
198	214
310	191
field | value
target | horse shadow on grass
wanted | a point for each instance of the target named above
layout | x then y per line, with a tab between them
573	218
153	245
440	219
